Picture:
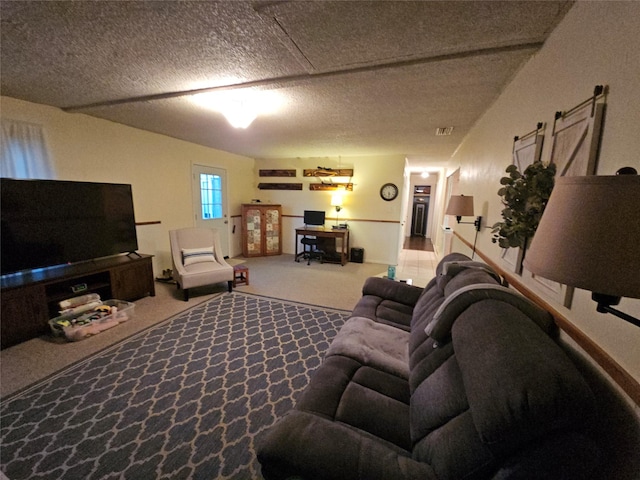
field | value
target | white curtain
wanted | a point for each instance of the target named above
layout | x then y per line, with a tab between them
23	152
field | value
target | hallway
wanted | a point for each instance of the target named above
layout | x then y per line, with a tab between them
417	265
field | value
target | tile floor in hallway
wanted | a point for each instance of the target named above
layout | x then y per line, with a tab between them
417	265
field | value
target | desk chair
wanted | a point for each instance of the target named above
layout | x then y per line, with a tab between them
310	250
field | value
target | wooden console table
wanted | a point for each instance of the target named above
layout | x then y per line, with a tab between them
329	235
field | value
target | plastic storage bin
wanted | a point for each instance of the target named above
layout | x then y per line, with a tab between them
78	327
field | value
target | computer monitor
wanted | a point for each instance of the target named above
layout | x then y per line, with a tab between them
313	217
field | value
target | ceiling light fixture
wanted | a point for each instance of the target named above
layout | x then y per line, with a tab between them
239	115
240	107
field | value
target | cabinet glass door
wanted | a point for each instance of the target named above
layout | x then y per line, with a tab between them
254	235
272	231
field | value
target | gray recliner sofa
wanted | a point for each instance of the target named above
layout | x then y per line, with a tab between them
459	380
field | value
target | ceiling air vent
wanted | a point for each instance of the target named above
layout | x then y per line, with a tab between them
441	131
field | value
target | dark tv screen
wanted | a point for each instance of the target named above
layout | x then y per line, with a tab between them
313	217
50	222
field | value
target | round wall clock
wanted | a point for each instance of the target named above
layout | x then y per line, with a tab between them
389	191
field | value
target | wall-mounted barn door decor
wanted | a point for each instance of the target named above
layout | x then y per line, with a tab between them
575	148
576	136
527	149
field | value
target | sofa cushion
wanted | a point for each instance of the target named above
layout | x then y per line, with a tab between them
450	258
306	446
503	384
386	301
524	386
447	283
368	400
455	451
440	327
375	344
442	427
452	268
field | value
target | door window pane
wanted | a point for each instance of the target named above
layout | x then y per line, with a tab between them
211	196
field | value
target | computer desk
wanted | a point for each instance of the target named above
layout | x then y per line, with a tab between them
327	232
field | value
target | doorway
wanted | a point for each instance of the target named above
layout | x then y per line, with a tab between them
210	201
420	210
419	217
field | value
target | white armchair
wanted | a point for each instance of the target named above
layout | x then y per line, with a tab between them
197	259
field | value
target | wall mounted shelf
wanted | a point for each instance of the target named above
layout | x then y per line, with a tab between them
328	172
323	187
277	173
280	186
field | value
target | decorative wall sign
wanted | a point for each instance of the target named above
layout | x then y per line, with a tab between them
576	136
330	186
328	172
277	173
280	186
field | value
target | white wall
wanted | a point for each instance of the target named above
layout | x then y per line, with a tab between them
598	43
158	167
374	224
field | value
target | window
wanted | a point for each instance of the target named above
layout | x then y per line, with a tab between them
24	151
211	196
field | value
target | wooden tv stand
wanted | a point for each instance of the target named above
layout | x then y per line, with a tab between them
31	299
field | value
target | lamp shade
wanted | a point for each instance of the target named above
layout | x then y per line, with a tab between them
589	235
336	200
460	206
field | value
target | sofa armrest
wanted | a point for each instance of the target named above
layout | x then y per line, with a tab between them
392	290
306	446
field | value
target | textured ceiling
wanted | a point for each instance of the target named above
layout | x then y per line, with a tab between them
357	77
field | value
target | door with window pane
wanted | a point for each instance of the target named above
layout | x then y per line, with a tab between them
210	201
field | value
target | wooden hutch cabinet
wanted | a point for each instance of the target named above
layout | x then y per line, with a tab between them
261	229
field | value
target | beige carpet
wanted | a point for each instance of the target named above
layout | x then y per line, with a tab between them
329	285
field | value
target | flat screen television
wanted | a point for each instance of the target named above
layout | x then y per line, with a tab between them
313	217
46	223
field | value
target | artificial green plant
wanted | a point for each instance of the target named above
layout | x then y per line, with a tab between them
524	196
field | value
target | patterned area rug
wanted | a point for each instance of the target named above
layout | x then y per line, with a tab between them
186	399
